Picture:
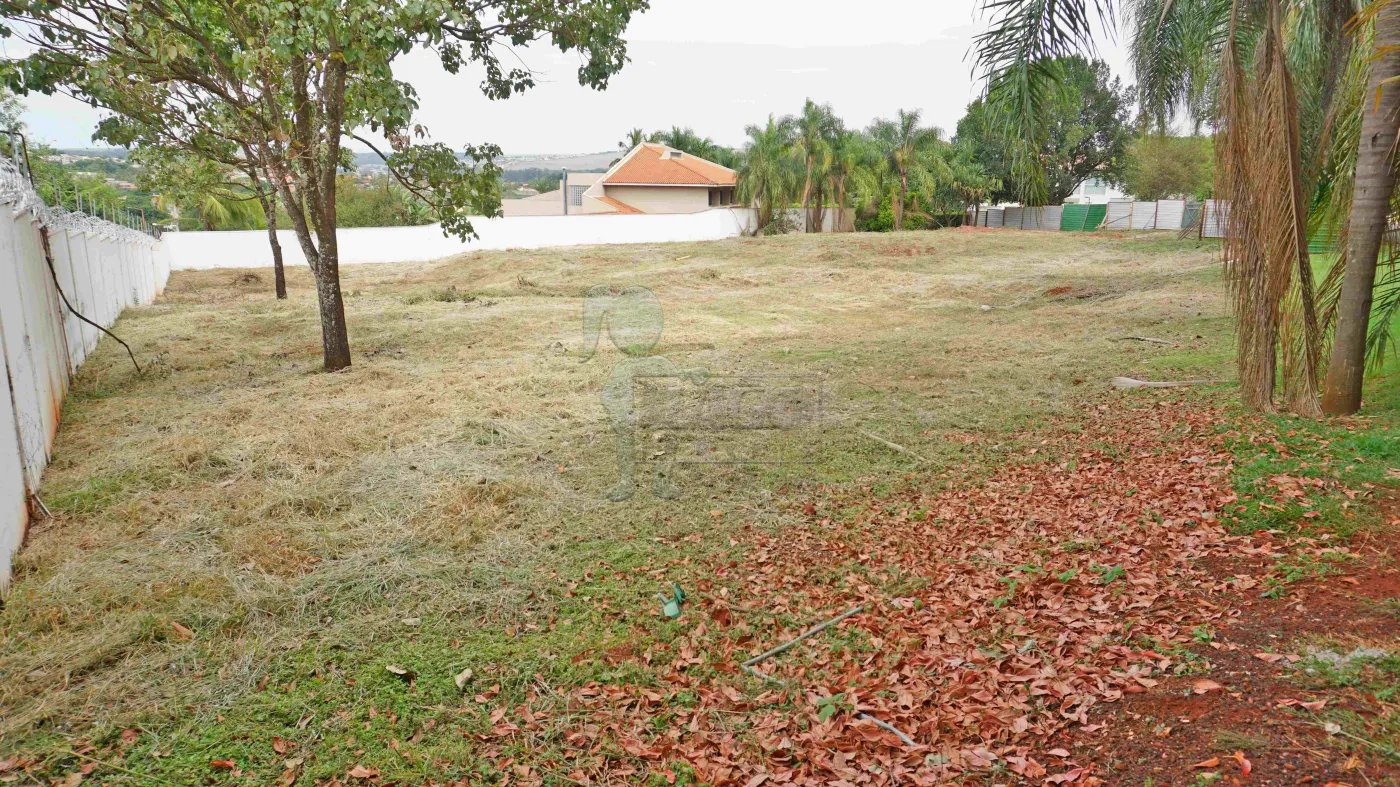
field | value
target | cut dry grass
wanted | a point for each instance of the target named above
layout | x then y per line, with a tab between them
237	520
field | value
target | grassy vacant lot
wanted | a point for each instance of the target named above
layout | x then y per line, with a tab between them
242	546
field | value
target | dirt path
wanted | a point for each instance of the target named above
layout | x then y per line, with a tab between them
1269	709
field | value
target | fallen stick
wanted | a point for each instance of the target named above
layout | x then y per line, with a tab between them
887	726
895	446
1128	382
119	768
817	629
1144	339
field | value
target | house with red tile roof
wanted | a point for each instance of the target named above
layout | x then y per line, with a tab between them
654	178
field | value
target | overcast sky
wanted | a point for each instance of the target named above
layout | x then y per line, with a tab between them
715	66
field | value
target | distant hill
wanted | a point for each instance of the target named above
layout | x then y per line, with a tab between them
577	162
95	152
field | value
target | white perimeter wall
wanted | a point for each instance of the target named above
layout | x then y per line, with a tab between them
102	268
202	250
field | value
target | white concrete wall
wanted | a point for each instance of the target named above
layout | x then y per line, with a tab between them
748	219
102	268
202	250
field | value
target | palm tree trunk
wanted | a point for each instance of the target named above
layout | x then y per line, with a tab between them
899	206
1370	208
840	204
807	197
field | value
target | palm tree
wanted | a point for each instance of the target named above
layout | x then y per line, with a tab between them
970	181
852	162
687	141
813	132
634	138
905	146
766	177
220	207
1290	88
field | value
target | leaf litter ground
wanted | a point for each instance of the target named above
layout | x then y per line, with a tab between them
999	620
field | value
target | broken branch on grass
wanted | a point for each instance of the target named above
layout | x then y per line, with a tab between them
1129	382
887	726
895	446
1147	339
1336	729
817	629
120	768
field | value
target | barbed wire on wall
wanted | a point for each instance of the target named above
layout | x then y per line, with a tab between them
19	193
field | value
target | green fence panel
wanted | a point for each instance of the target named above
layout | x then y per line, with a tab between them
1072	219
1097	213
1082	218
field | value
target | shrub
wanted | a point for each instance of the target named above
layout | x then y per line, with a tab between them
882	221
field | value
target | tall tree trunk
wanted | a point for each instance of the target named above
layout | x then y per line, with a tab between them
259	173
807	196
840	205
899	206
279	275
335	341
1370	207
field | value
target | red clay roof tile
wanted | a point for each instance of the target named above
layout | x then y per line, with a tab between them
652	165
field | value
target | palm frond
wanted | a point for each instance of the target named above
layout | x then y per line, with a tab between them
1017	56
1259	169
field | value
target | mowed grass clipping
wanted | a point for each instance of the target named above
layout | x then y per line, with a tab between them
241	544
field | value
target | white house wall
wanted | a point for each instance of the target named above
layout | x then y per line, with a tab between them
101	267
661	199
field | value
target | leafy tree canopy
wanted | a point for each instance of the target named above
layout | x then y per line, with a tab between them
544	183
1085	135
687	141
1158	166
278	86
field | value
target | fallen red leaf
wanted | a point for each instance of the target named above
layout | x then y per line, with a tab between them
1205	685
1245	766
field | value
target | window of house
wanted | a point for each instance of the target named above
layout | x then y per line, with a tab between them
576	194
714	198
